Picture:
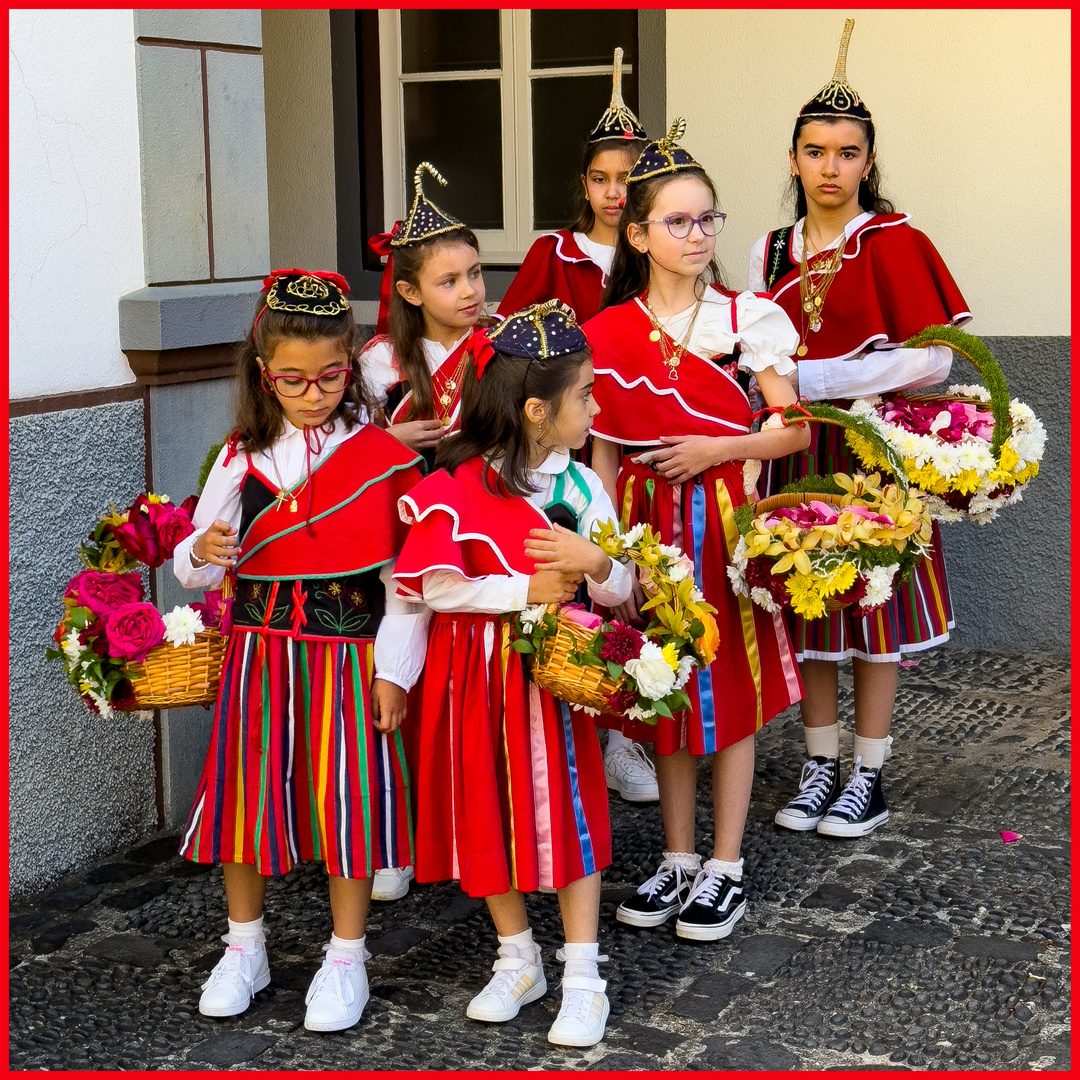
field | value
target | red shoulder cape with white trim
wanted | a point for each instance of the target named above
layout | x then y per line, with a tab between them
458	524
639	401
892	285
354	521
556	268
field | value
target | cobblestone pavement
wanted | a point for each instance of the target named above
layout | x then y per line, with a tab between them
930	944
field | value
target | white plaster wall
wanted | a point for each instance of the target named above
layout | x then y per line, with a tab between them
973	124
75	213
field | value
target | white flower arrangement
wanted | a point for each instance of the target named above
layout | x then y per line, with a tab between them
181	625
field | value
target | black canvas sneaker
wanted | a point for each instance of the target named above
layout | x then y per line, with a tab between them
714	906
658	898
819	784
860	808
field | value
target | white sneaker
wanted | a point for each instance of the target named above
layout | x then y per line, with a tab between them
516	982
629	770
339	991
392	883
583	1016
238	976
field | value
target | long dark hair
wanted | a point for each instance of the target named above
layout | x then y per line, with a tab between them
406	321
492	420
870	197
258	413
586	219
630	268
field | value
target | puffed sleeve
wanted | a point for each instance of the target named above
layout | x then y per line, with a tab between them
381	374
766	334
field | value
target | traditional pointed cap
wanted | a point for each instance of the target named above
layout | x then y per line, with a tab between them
663	156
837	98
424	219
618	122
539	332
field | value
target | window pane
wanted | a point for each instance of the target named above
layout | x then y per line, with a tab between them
449	40
564	111
579	38
471	164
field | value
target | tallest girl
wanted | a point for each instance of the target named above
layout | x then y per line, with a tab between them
857	281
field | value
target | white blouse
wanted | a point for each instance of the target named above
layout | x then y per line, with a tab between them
762	329
600	254
447	590
875	371
401	640
381	373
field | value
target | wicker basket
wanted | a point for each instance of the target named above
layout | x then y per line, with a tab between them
553	669
174	676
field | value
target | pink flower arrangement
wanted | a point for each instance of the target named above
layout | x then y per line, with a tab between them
103	592
819	513
133	630
577	613
950	421
154	527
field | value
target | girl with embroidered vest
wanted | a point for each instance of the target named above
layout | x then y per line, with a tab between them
670	445
572	265
305	759
858	281
510	785
431	300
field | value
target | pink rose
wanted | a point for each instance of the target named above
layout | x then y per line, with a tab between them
138	537
171	526
576	613
133	630
102	593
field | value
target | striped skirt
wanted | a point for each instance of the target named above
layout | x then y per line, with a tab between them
918	616
295	769
754	675
510	789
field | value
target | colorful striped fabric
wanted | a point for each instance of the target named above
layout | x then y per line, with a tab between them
295	769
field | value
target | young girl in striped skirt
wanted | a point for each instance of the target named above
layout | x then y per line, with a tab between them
305	759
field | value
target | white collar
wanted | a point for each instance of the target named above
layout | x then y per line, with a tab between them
850	229
437	351
555	463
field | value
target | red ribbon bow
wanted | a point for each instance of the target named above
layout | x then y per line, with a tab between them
481	350
380	242
326	275
781	409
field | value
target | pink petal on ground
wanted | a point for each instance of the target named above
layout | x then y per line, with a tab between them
1009	837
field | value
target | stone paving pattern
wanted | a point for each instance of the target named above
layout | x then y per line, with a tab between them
928	945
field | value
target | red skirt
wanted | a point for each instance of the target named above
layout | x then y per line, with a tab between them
510	789
754	675
296	770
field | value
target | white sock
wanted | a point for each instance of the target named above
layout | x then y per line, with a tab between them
823	741
688	860
616	740
872	751
732	870
581	958
248	934
348	945
522	945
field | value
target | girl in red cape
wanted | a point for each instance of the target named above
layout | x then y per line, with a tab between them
670	349
510	781
305	759
870	282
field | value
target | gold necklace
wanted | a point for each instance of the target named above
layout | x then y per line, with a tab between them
812	293
671	357
284	495
450	384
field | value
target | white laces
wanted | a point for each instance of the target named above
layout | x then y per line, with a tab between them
639	759
814	783
856	791
707	886
660	879
234	966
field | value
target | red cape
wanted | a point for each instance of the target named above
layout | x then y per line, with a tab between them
638	400
457	524
556	268
892	285
354	521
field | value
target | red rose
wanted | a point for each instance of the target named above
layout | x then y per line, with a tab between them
133	630
138	537
171	526
102	592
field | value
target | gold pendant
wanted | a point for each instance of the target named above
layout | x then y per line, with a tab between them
817	301
815	325
445	399
446	421
802	350
292	507
672	371
654	336
808	306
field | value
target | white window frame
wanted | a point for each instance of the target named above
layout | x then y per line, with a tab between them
509	244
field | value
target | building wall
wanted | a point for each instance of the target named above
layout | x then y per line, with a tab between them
973	139
75	222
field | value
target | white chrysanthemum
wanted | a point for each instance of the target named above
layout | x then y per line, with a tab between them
939	509
686	666
738	557
764	599
72	648
737	579
531	616
102	704
974	391
879	581
864	407
181	625
974	455
636	712
589	712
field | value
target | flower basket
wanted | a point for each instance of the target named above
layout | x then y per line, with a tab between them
614	668
119	653
970	451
